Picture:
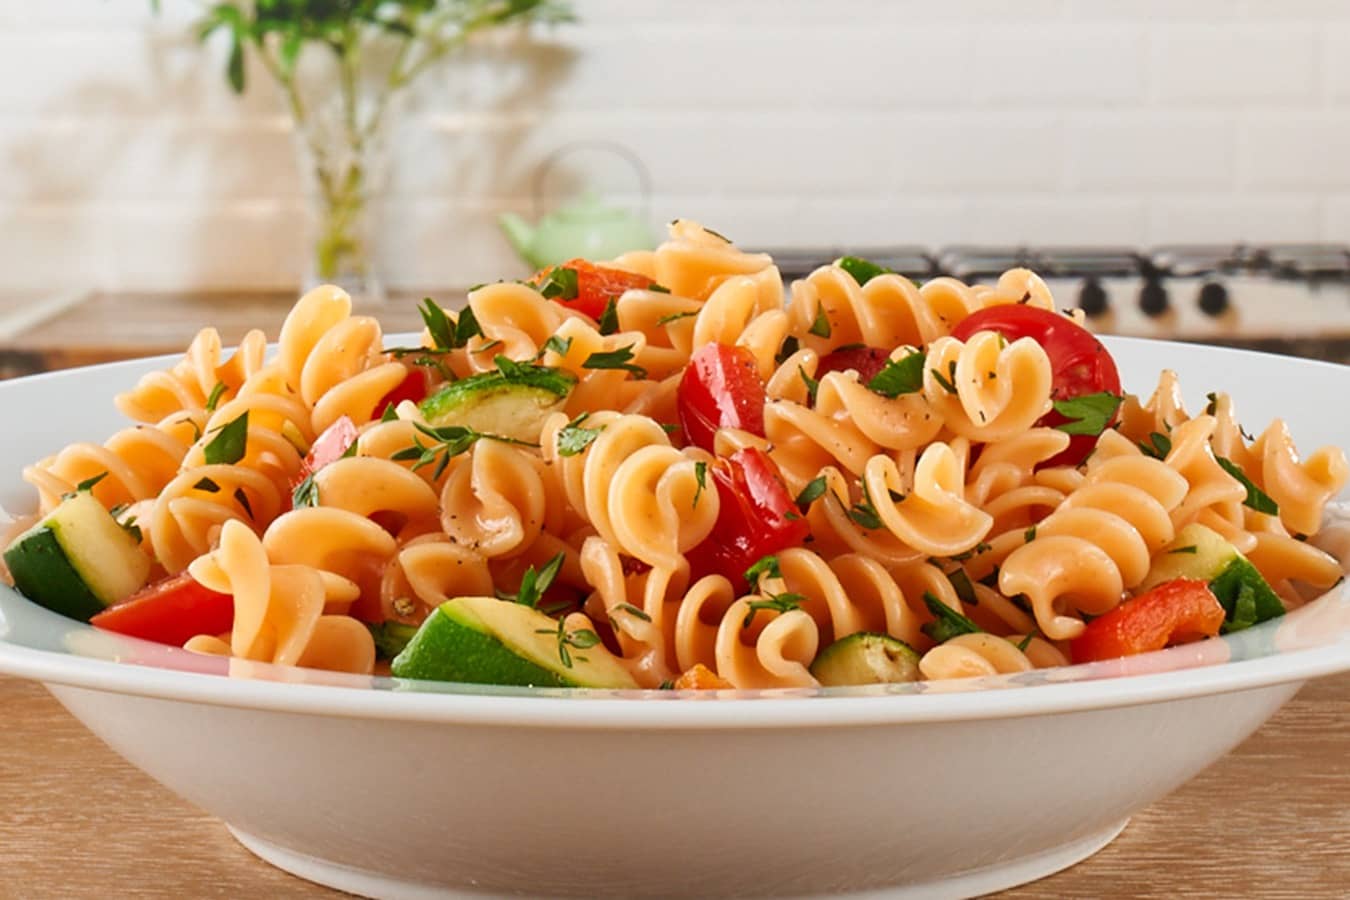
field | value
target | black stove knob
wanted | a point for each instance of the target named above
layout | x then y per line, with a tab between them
1153	298
1213	298
1092	298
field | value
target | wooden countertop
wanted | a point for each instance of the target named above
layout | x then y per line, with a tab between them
1271	820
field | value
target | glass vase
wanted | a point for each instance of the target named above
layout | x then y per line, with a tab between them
344	164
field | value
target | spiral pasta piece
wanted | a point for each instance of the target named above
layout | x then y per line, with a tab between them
188	385
279	614
1098	543
986	389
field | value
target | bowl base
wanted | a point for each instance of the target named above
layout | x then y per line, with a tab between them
967	884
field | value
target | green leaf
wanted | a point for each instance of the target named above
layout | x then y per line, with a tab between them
814	490
533	584
608	323
234	70
242	499
1157	446
1088	414
440	326
1257	499
216	393
574	439
701	477
780	603
230	443
558	345
306	493
965	591
560	284
615	359
631	610
88	483
904	376
947	623
812	385
390	414
821	326
862	270
865	515
765	565
675	317
466	326
947	382
1189	548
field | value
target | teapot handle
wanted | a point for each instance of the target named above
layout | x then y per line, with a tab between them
634	161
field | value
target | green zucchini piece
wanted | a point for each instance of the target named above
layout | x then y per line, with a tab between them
1202	553
77	560
483	640
512	406
866	657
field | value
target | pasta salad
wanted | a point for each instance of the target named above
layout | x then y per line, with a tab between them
657	472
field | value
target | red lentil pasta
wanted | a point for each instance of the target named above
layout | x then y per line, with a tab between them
922	503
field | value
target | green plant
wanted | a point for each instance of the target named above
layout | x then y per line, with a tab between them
375	49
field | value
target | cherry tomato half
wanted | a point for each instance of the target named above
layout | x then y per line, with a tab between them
866	361
413	387
721	388
1174	612
1078	361
596	285
757	517
328	447
170	612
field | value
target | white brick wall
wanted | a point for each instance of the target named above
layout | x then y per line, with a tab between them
126	163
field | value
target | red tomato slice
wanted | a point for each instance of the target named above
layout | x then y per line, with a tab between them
1174	612
1078	361
330	446
413	387
170	612
596	285
866	361
721	388
756	517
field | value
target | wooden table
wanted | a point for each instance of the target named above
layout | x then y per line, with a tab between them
1270	820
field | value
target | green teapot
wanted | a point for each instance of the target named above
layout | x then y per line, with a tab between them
587	227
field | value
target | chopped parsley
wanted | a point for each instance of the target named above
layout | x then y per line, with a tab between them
862	270
675	317
701	477
1189	548
821	326
448	441
306	493
230	442
574	439
216	393
1257	499
1157	445
560	284
812	385
609	317
904	376
947	623
1088	414
615	359
780	603
814	490
580	639
946	382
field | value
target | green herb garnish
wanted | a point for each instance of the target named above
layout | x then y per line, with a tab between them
862	270
814	490
780	603
581	639
1257	499
1157	445
306	493
216	393
574	439
948	384
533	584
448	441
821	326
701	478
947	623
812	385
560	284
229	444
615	359
1088	414
904	376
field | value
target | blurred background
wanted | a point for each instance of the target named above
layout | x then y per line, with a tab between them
1137	151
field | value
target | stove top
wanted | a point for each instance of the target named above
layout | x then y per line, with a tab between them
1228	292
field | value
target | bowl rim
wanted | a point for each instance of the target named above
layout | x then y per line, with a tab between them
1175	674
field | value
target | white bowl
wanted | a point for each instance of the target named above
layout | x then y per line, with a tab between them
395	789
